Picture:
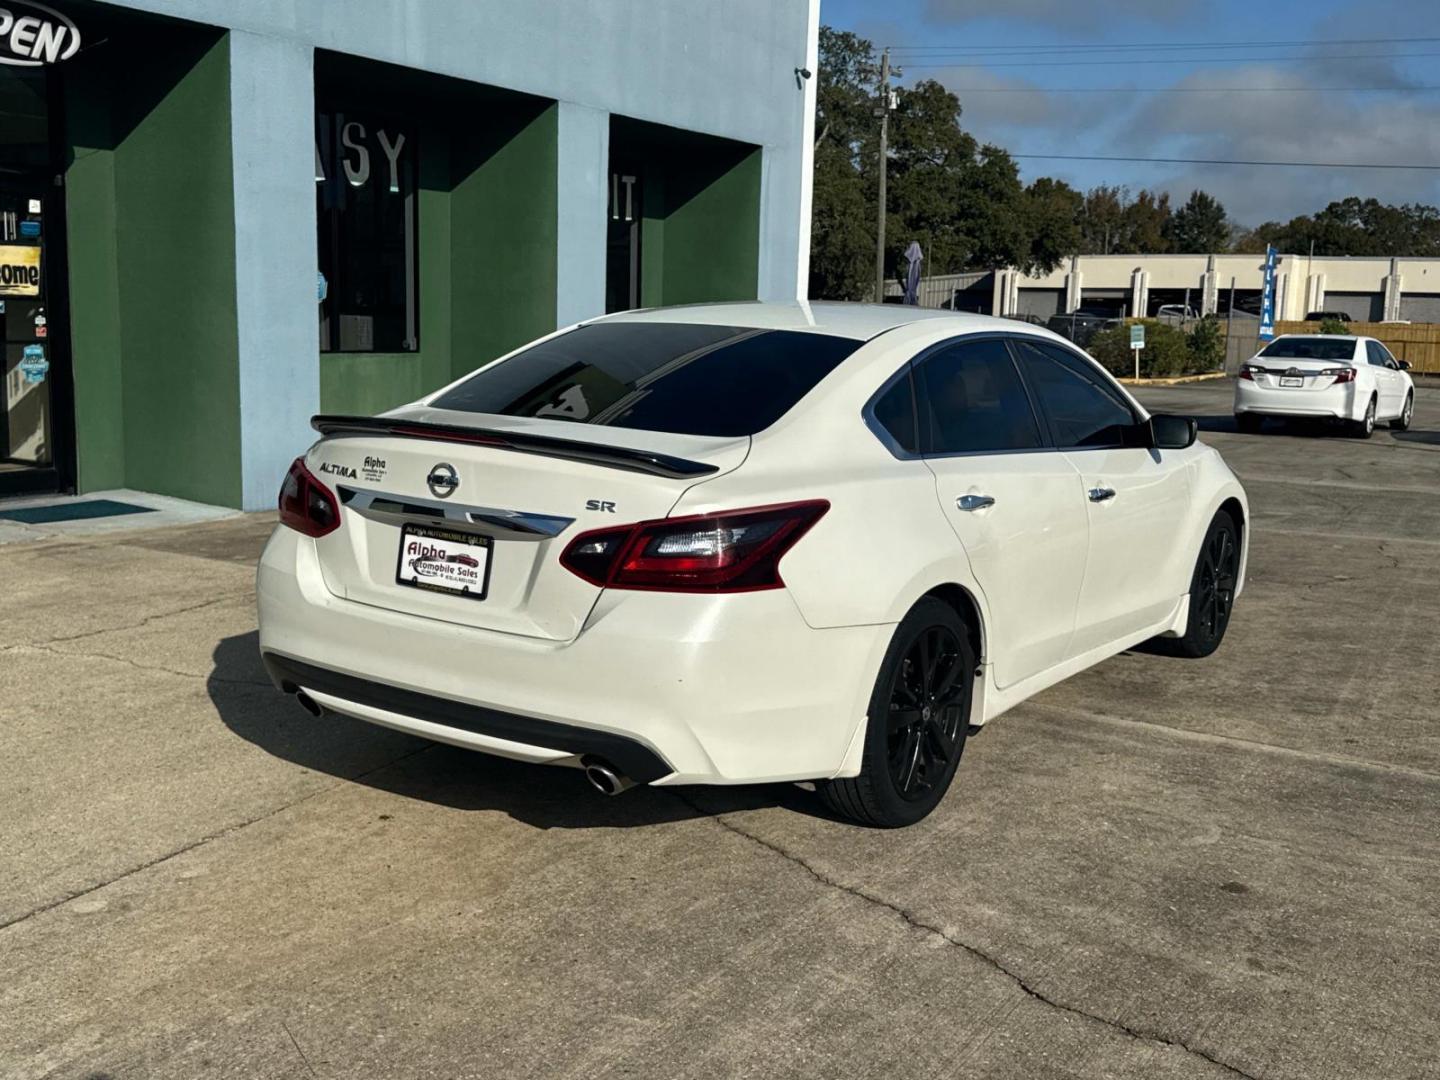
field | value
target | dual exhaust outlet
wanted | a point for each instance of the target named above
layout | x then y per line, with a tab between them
603	777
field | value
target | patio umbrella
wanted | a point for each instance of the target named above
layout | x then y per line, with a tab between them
913	255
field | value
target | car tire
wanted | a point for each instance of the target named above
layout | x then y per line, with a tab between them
1363	429
1212	592
916	724
1402	422
1249	423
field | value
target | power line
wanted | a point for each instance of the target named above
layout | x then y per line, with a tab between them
1222	161
1192	89
1041	49
1198	61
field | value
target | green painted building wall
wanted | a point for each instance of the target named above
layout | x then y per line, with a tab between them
149	203
486	240
711	238
503	216
700	224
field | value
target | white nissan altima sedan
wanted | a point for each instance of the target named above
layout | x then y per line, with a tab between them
738	543
1354	380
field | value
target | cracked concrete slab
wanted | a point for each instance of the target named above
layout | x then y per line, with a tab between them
1159	868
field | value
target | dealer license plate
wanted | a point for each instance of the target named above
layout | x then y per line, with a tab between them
444	560
1292	380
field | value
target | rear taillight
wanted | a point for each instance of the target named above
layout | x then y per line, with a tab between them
1247	372
307	505
1340	374
730	551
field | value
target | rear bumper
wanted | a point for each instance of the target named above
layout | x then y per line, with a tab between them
669	688
634	759
1336	402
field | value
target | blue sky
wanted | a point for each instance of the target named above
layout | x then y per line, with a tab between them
1308	110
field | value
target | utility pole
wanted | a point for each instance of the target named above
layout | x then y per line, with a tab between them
884	162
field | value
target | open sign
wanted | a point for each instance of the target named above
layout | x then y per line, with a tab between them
32	35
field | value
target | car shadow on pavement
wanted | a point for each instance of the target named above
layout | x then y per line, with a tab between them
543	796
1431	438
1217	422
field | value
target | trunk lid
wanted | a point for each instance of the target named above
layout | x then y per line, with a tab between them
526	486
1280	372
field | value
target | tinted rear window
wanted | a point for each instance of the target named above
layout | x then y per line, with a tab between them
1311	348
689	379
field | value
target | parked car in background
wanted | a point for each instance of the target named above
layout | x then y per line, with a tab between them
1176	314
1323	316
1352	380
1081	325
741	543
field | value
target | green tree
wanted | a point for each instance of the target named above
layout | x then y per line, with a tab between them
1143	225
1354	226
1198	227
843	230
1102	220
963	202
1053	213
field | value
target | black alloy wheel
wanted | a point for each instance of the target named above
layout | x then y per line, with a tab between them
926	714
917	721
1212	593
1216	577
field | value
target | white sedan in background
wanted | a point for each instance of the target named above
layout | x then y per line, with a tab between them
739	543
1354	380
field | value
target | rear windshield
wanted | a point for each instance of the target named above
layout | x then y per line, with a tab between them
685	378
1311	348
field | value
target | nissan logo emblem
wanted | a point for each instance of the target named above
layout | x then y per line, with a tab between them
443	481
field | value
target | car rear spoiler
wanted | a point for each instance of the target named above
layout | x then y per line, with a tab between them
614	457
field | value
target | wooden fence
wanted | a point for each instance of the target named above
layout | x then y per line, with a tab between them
1417	343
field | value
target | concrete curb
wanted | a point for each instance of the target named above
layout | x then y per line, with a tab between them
1176	380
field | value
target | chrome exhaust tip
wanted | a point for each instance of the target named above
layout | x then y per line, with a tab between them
309	704
604	778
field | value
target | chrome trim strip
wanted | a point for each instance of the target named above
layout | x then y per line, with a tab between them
499	523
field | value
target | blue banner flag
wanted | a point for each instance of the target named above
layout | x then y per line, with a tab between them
1267	298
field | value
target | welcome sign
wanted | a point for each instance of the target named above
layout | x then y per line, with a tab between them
19	270
32	35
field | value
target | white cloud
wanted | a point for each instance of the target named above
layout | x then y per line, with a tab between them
1300	119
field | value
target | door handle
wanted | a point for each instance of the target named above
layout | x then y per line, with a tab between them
974	502
1101	494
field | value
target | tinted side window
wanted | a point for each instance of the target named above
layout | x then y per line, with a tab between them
895	412
971	399
686	378
1387	355
1082	409
1375	353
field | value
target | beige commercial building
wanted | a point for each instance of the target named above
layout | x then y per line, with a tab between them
1366	289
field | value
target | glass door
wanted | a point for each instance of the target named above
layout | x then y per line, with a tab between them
34	374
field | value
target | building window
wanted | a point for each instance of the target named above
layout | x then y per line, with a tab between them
365	198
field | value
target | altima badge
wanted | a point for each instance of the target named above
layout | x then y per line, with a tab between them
443	480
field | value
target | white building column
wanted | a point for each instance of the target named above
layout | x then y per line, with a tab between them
1315	293
1074	289
787	171
582	165
1139	292
1393	291
1209	289
1004	295
272	131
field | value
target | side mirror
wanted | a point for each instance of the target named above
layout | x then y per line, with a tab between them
1404	364
1173	432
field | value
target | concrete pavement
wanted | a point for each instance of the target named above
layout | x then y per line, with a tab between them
1160	868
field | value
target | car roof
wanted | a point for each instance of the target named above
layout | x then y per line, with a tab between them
858	321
